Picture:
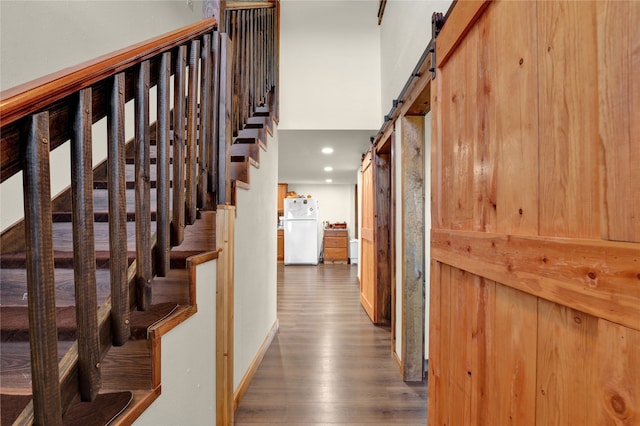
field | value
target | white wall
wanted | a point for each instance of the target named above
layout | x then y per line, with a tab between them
255	273
329	65
41	37
336	203
397	167
404	34
65	33
188	370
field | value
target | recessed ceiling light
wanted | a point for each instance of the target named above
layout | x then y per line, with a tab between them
328	169
327	150
328	180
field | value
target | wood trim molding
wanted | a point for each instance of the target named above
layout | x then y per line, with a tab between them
253	367
413	250
245	5
593	276
27	98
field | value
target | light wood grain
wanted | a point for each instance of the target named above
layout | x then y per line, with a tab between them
458	23
485	142
513	340
593	276
436	342
618	392
367	255
536	305
618	95
565	375
569	172
514	41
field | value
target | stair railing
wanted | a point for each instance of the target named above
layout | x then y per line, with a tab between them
40	116
218	82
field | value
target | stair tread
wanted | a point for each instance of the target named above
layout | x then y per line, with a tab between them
63	236
100	411
15	364
101	200
13	286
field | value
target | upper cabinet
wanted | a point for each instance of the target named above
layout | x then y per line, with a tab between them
282	193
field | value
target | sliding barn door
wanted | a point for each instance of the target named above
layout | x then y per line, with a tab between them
535	269
367	257
375	262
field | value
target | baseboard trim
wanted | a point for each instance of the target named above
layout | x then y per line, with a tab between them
253	367
396	358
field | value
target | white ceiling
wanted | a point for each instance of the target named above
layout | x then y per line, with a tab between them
300	157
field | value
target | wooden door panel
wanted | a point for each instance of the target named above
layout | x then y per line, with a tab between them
367	279
368	258
535	307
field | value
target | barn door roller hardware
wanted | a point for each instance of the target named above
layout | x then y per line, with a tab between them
437	21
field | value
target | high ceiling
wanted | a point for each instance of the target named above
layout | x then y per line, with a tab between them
300	157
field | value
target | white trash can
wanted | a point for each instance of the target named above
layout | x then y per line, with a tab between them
353	251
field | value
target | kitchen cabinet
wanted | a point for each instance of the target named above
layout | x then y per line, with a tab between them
280	245
282	193
336	246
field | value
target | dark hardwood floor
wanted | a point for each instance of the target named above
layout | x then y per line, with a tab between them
328	364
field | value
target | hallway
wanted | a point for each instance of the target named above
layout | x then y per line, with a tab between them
328	364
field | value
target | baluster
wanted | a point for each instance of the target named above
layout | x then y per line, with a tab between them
143	188
245	68
177	224
265	84
251	67
274	49
205	120
162	144
192	132
274	64
225	123
215	105
259	53
43	335
255	79
272	34
235	41
84	259
240	71
265	55
118	261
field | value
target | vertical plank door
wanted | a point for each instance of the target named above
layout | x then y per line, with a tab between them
368	256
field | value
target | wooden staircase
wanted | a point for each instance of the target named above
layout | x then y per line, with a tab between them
161	296
127	368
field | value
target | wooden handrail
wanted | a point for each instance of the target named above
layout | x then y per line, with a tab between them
229	79
246	5
52	91
37	94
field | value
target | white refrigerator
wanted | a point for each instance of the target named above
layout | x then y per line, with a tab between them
300	231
